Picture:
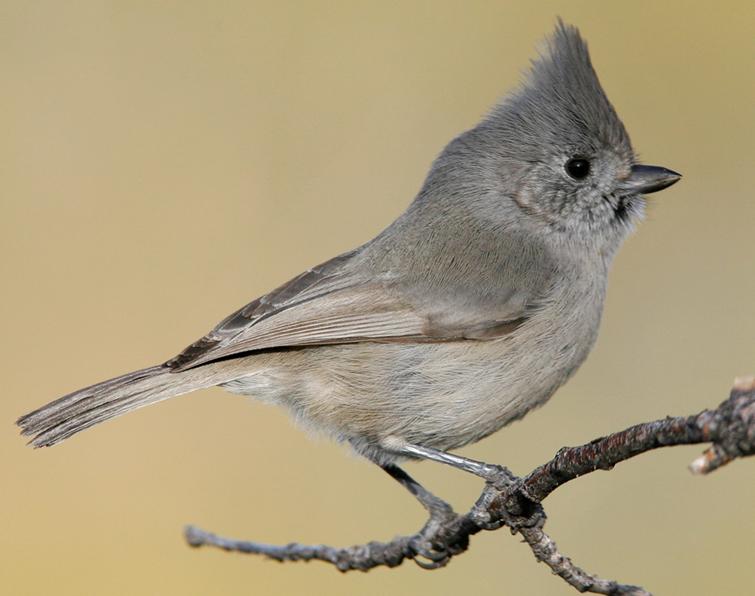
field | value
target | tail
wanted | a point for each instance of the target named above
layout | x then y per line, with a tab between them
86	407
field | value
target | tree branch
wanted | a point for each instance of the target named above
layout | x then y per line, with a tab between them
515	502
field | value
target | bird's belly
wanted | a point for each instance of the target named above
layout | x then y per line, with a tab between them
442	395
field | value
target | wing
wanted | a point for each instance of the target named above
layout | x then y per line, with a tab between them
324	305
332	304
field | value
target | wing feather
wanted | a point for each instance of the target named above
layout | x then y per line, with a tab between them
327	304
331	304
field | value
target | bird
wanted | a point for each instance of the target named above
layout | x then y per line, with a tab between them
468	311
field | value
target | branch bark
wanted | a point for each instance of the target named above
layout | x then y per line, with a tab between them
515	502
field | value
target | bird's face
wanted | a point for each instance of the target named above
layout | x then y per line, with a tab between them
588	190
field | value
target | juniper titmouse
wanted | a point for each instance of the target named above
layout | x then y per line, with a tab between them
468	311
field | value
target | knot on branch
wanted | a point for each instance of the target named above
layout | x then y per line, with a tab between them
511	506
731	428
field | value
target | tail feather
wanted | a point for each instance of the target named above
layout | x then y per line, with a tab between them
86	407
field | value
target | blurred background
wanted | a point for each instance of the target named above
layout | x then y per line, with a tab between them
163	163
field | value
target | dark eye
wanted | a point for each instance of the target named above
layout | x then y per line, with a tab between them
577	167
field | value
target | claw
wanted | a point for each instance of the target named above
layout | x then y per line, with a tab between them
490	526
498	476
425	546
426	550
433	565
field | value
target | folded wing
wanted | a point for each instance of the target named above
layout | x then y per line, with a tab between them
331	304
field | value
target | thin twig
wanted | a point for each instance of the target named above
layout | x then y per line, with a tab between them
514	501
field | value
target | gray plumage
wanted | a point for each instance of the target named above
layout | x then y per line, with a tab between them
468	311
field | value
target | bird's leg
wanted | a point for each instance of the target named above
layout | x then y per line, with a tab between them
491	473
435	506
440	512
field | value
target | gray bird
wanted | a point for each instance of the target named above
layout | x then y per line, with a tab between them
464	314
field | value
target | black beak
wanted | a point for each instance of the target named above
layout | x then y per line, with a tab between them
647	179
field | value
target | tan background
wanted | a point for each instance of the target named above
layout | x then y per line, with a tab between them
163	163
